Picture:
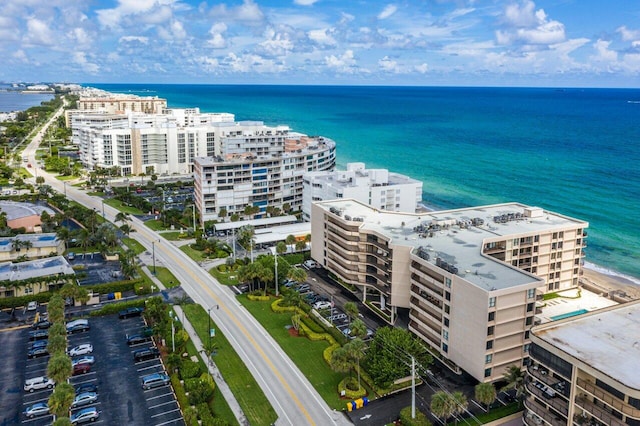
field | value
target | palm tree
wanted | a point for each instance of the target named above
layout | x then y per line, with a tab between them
59	367
355	349
514	376
57	345
292	298
351	309
358	328
460	403
485	393
340	361
84	239
63	233
281	247
122	217
62	421
61	399
290	240
442	405
126	229
299	275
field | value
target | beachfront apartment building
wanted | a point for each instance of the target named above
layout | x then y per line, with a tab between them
377	187
137	143
260	167
470	302
119	103
585	370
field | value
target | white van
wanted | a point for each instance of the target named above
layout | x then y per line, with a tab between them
37	383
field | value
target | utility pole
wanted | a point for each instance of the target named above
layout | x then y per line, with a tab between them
413	387
276	274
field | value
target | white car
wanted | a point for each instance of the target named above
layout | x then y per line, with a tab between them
32	306
85	348
323	304
37	383
85	359
310	264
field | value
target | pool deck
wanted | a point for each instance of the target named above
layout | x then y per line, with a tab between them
569	302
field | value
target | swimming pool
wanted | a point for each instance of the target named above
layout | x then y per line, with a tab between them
569	314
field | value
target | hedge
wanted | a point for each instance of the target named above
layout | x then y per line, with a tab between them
14	302
181	396
204	414
420	420
257	298
351	394
113	308
189	369
114	287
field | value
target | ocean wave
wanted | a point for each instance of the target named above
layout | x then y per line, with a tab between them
611	272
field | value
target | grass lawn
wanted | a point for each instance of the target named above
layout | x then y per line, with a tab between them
174	235
118	205
63	178
307	355
166	277
155	224
252	400
133	245
225	278
192	253
496	413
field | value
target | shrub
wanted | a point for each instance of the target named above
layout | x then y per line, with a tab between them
189	369
114	287
223	268
420	420
183	401
200	390
258	297
14	302
344	386
191	416
113	308
204	414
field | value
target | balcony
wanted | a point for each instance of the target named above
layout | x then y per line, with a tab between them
558	404
609	399
599	412
541	412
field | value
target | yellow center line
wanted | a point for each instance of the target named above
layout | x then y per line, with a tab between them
247	334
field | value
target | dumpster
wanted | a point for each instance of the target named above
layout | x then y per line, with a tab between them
111	296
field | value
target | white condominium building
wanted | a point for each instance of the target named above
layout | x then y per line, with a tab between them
261	167
586	370
468	299
375	187
164	143
118	103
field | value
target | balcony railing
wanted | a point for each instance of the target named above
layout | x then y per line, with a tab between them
609	399
559	404
599	412
541	412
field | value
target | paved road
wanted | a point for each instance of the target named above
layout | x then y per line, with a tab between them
294	399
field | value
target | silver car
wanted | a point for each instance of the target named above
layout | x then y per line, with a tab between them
84	398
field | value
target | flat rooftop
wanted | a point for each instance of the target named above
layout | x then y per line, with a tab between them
571	303
455	239
17	210
276	234
35	268
256	223
605	340
36	240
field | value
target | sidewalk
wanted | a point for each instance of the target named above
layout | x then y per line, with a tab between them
213	369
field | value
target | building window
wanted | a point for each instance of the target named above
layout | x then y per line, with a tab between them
447	309
489	344
492	316
447	282
488	358
28	290
447	295
526	334
490	330
446	322
531	293
487	372
526	348
529	307
529	321
445	334
492	302
445	348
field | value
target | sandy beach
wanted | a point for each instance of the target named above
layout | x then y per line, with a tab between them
610	283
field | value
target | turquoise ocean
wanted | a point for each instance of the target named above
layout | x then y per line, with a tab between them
572	151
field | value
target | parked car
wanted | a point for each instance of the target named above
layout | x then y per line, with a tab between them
85	348
38	351
130	312
303	287
322	305
85	359
32	306
145	354
136	339
41	325
90	414
37	383
36	410
81	369
84	398
146	331
38	344
310	264
78	328
86	387
154	380
41	334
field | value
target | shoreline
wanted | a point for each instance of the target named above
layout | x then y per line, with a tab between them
610	282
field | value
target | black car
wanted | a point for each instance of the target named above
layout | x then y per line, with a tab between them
38	344
42	324
78	328
86	387
130	312
38	335
137	339
37	352
146	354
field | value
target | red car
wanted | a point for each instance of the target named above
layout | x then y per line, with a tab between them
81	369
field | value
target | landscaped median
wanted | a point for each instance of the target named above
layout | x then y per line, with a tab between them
254	403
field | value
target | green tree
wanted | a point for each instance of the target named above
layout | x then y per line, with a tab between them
281	247
301	245
460	403
514	376
351	309
292	298
356	350
57	345
297	274
59	367
57	329
485	393
290	240
407	420
61	399
358	328
340	361
62	421
40	180
442	405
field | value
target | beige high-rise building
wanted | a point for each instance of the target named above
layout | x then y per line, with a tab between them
469	277
586	370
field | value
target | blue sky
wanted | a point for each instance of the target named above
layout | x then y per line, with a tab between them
567	43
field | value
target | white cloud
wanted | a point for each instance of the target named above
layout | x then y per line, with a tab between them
518	16
134	39
389	10
276	43
526	26
322	37
305	2
20	56
603	53
80	58
422	68
247	63
627	34
345	63
217	40
388	65
38	33
208	64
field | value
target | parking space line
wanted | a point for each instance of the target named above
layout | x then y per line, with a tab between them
86	381
149	390
173	401
36	418
145	361
170	421
165	413
160	396
149	367
34	401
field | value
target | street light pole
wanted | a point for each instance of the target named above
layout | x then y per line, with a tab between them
173	332
276	274
103	209
209	331
194	218
153	251
65	188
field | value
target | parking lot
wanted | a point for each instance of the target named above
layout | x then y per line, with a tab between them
95	269
121	399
